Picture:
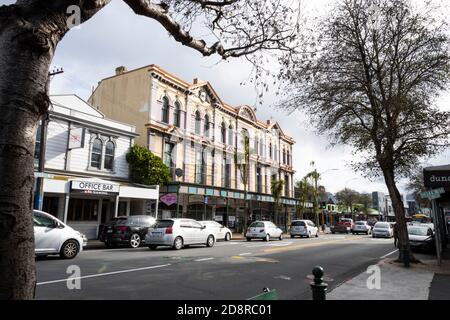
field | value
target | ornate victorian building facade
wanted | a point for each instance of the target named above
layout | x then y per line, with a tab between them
203	141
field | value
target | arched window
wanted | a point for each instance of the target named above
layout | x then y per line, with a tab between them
177	115
230	135
288	158
96	154
223	133
109	155
206	126
270	150
284	156
198	122
165	110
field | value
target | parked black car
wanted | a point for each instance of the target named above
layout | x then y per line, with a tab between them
126	230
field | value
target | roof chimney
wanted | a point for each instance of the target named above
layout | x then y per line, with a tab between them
120	70
197	81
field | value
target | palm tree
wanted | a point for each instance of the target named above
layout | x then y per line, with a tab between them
277	191
314	176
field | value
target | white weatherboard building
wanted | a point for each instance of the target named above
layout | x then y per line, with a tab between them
86	172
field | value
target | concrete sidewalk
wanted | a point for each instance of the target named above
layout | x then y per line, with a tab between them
421	281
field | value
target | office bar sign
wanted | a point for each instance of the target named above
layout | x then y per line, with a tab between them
94	187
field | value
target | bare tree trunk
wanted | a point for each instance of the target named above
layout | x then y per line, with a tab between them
26	50
399	210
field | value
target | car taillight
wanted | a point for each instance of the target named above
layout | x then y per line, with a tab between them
169	230
121	228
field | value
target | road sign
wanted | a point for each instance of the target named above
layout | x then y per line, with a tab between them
433	194
43	175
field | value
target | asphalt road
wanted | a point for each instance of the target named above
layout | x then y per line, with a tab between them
228	271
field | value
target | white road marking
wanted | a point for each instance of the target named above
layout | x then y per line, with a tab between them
387	255
103	274
245	254
268	244
283	277
204	259
226	244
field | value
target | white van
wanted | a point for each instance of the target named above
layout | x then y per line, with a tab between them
52	236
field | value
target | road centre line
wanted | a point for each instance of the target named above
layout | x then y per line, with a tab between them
245	254
387	255
102	274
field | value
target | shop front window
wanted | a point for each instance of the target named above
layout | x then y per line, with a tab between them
82	210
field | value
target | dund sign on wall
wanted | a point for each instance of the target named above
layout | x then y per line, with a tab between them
436	177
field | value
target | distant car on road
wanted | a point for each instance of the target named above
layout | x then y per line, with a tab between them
220	232
382	230
52	236
264	230
126	230
421	237
362	227
304	228
177	233
345	225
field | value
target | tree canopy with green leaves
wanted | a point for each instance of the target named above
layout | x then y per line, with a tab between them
370	80
146	168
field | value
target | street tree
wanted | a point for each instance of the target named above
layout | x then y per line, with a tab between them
146	168
276	188
305	194
365	200
347	198
242	162
371	80
30	31
314	178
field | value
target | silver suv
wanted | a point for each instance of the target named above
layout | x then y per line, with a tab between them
177	233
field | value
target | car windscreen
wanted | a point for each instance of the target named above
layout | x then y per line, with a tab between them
298	223
382	226
257	225
163	224
417	231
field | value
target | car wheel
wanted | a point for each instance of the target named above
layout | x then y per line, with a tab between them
69	249
292	237
280	237
135	240
317	234
249	239
267	238
228	237
332	232
210	241
178	243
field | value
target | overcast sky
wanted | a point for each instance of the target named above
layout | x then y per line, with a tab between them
116	37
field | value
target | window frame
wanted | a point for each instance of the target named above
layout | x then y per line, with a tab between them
165	110
106	155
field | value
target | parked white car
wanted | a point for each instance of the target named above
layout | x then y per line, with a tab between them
220	232
361	227
263	230
52	236
304	228
383	230
177	233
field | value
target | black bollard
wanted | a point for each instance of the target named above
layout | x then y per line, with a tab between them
318	287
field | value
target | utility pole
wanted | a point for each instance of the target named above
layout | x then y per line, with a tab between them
39	193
